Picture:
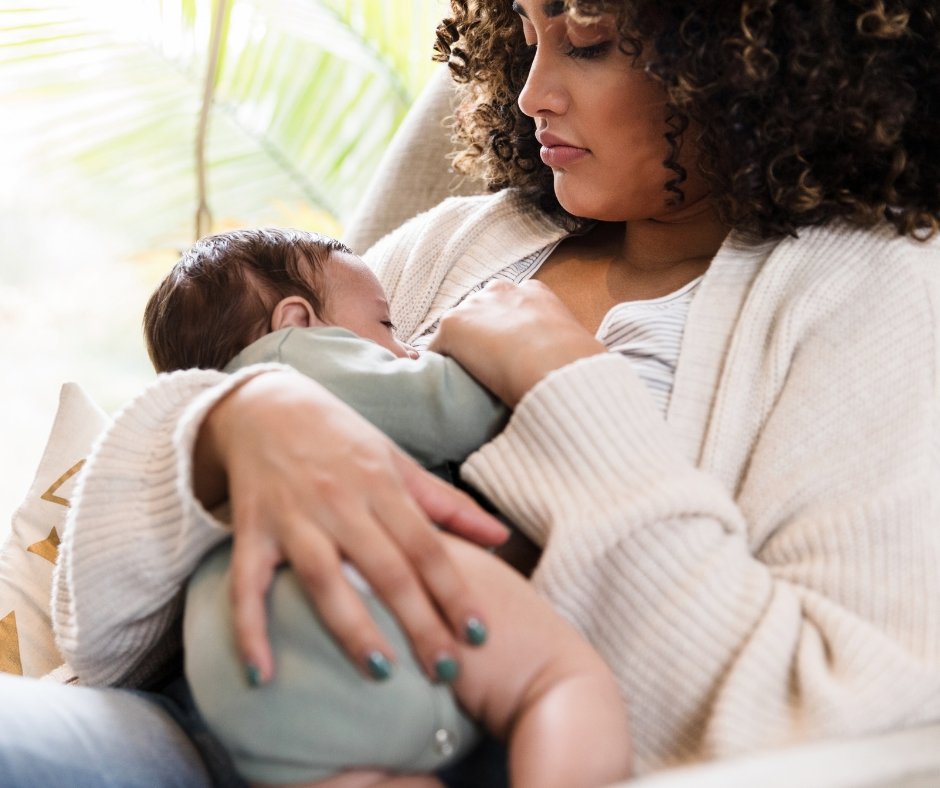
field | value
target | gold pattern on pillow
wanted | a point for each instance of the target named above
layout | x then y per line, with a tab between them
29	553
48	548
49	495
9	646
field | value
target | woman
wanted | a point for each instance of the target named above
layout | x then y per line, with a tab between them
739	508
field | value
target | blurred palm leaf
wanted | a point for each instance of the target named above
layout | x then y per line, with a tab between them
104	97
99	108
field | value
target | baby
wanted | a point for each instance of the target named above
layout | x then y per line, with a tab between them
251	296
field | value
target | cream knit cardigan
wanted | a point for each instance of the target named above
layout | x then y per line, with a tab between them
760	568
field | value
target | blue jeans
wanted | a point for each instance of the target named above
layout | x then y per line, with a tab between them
54	734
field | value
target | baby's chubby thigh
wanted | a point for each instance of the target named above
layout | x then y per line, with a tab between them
530	649
318	715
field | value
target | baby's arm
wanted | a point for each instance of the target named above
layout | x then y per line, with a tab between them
430	406
538	684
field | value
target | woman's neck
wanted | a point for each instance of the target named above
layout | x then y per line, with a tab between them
690	236
616	262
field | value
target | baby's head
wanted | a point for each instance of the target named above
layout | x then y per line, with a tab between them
229	289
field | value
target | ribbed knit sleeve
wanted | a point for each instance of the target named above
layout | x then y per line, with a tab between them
784	585
135	532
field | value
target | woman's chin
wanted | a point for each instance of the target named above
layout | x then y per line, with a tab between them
579	205
588	201
591	210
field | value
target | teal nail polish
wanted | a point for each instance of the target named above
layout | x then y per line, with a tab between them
446	669
475	630
378	666
253	675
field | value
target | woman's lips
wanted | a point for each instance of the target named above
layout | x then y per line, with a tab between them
561	155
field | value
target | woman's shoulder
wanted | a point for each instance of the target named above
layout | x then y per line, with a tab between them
874	248
850	285
462	218
842	261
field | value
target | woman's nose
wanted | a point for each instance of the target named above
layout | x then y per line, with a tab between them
543	92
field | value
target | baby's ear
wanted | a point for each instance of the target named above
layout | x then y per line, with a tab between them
294	312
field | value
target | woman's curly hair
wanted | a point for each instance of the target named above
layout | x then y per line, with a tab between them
804	111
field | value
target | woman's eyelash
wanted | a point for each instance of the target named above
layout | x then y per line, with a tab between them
588	52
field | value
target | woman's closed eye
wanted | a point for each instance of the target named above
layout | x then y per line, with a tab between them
578	40
587	52
589	39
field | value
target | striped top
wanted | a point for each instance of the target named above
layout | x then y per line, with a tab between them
647	332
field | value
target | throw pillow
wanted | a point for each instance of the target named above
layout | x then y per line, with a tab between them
29	552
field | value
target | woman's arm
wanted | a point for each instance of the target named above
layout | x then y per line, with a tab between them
134	533
291	458
804	607
789	587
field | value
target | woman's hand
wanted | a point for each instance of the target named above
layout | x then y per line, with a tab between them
313	483
509	337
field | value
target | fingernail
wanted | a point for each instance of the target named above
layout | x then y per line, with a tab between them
253	675
378	666
446	669
475	630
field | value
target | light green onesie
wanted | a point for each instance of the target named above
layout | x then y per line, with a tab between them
319	715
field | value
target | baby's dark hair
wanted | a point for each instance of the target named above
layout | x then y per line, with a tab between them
219	296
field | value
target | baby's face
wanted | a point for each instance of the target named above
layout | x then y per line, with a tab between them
355	301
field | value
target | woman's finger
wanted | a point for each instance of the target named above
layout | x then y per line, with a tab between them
370	542
442	579
449	507
395	581
339	605
254	559
316	563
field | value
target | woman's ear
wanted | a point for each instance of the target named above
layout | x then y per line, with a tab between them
294	312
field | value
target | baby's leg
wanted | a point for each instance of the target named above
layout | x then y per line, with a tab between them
536	682
540	685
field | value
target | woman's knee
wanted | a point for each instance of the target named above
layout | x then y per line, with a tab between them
55	734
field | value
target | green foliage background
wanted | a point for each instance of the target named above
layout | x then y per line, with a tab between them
100	104
306	95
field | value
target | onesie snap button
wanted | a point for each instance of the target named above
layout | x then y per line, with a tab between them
443	742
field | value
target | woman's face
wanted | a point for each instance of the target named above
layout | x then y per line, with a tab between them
600	120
